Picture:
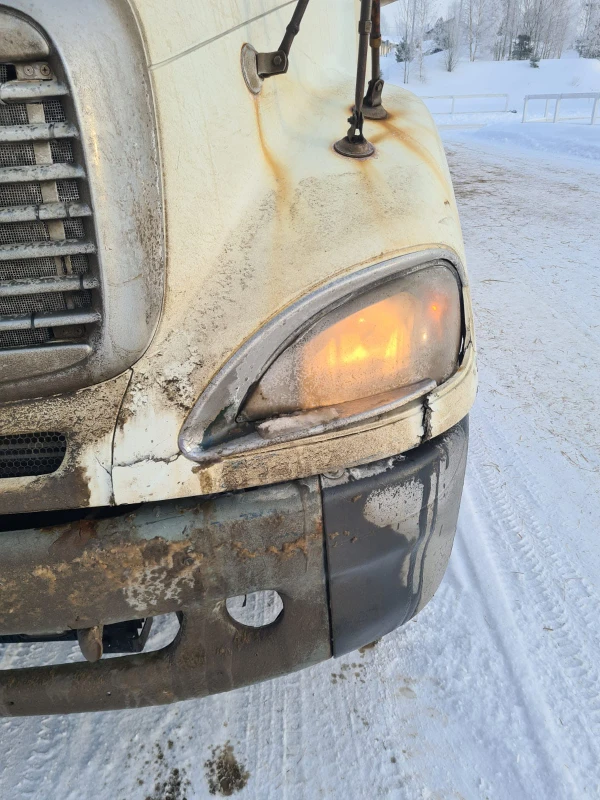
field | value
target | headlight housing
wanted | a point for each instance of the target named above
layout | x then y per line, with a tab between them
354	350
396	335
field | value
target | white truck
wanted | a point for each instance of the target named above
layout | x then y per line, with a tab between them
236	343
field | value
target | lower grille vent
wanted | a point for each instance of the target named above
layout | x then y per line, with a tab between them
29	454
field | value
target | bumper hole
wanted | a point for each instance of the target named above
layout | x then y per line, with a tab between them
255	610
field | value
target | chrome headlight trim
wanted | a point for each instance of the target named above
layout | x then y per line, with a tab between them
211	430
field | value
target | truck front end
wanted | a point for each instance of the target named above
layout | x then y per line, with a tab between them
234	359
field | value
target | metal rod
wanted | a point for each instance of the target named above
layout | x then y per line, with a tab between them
364	31
294	26
375	40
354	144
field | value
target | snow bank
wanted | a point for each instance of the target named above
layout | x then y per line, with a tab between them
515	78
565	139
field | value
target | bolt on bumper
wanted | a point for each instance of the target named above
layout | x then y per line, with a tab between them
352	557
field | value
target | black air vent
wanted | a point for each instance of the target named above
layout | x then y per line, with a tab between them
26	454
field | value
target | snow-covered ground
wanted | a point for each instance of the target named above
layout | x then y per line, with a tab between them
493	691
517	79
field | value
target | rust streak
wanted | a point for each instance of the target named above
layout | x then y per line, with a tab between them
411	143
75	538
275	166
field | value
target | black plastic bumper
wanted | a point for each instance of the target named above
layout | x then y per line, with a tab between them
352	557
389	529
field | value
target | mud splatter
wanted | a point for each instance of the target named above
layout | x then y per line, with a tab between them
170	783
172	787
224	774
366	647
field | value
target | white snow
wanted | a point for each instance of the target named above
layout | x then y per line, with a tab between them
515	78
567	139
493	691
568	75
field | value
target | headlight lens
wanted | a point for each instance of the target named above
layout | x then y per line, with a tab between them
403	332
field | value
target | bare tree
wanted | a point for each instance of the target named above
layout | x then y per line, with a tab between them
588	42
549	23
452	51
480	19
406	23
422	23
510	19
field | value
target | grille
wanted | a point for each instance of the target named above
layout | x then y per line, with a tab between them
61	150
15	232
24	338
20	194
31	454
30	303
43	234
15	155
67	190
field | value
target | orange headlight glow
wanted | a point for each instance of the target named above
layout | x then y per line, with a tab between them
404	332
370	347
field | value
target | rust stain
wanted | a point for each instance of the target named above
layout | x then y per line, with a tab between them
286	550
282	211
290	548
75	538
275	166
243	552
393	130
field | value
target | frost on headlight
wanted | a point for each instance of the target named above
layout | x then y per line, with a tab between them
397	335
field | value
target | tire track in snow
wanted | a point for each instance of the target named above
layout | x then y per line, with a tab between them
480	568
573	641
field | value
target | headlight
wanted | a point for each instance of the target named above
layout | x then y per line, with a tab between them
353	350
397	335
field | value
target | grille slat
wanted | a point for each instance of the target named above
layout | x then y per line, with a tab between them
42	132
23	322
31	91
70	283
46	291
31	454
44	211
40	172
8	252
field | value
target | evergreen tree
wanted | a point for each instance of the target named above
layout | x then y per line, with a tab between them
403	51
522	49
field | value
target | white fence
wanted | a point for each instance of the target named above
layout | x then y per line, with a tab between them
454	97
554	115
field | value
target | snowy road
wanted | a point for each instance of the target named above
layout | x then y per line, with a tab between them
493	691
